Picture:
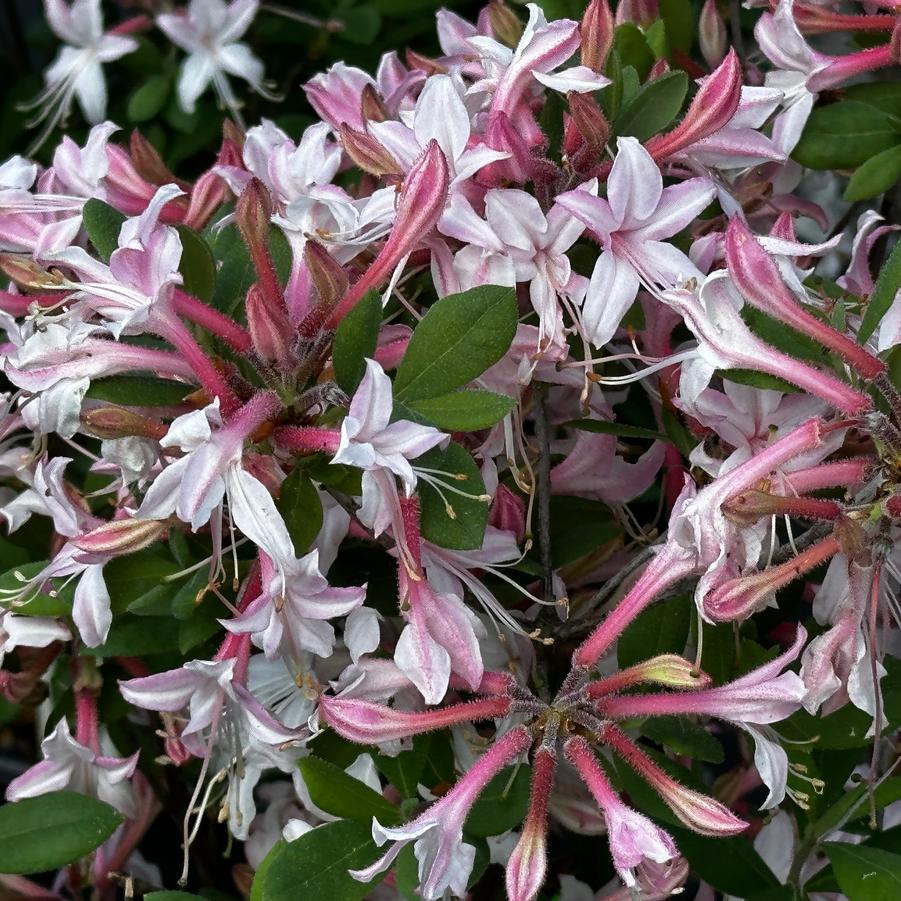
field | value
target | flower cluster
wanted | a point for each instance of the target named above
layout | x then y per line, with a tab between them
419	419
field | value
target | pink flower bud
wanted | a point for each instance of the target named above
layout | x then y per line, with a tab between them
419	206
329	279
505	24
750	506
122	536
252	215
270	330
699	812
710	110
149	164
367	723
596	32
738	598
670	670
527	865
508	512
757	277
812	19
116	422
27	274
369	153
712	34
372	107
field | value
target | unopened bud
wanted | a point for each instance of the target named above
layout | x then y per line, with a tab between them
27	274
710	110
122	536
372	106
369	153
116	422
712	34
596	30
424	63
149	164
669	670
750	506
505	24
590	120
699	812
739	598
328	276
233	132
270	330
253	212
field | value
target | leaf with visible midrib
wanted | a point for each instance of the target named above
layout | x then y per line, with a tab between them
341	795
52	830
865	872
887	284
457	340
316	864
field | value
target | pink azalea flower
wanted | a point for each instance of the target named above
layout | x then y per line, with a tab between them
630	224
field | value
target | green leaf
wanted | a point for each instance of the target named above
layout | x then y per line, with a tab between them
754	379
457	340
148	99
464	411
356	339
465	529
684	737
300	507
630	45
578	527
888	282
884	95
316	864
339	794
197	266
876	175
405	771
734	869
620	429
679	17
361	25
654	107
844	135
138	391
135	636
236	273
655	35
661	629
39	604
102	223
502	805
864	872
53	830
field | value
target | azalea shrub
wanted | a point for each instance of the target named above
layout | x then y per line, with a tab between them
477	476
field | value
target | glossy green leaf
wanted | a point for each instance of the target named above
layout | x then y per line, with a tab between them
197	266
654	107
457	340
102	223
503	803
52	830
679	16
660	629
316	864
888	283
464	529
149	98
876	175
865	872
684	737
632	49
139	391
578	527
845	134
356	339
464	411
300	507
341	795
